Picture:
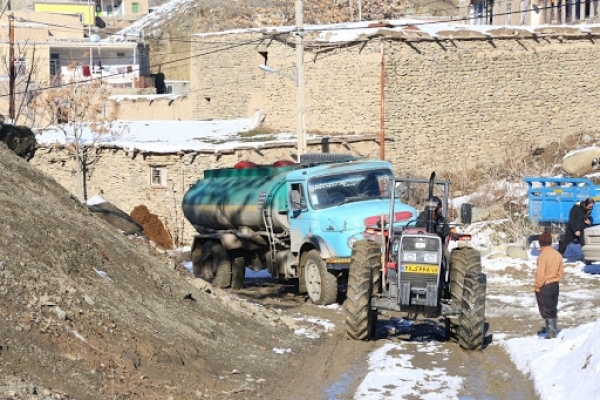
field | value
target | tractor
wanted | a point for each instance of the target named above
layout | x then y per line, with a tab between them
409	269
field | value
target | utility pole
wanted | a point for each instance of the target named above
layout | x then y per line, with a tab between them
301	95
11	82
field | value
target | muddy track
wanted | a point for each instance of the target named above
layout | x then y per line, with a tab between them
335	366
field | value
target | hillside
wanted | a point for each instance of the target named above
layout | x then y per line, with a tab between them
168	28
89	313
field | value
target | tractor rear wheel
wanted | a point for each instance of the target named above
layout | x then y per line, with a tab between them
471	328
361	320
321	285
464	260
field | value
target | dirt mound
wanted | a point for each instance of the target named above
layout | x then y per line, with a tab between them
153	227
89	313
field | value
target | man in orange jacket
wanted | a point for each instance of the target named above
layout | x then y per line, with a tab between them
550	270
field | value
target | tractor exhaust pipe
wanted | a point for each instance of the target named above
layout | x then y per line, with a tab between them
430	205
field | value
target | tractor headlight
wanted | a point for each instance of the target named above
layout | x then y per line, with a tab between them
409	256
430	258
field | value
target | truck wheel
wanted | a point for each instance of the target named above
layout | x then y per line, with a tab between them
464	260
321	286
238	273
220	265
197	264
361	320
471	329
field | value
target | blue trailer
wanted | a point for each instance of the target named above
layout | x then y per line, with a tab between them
551	199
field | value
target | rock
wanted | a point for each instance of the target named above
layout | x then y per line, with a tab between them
515	251
19	139
116	217
495	211
201	284
580	162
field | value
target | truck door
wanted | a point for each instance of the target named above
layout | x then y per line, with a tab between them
298	214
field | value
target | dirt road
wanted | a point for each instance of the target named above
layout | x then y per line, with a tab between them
335	366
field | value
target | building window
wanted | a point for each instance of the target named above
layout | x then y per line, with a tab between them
120	54
21	66
158	176
508	14
135	8
478	13
169	89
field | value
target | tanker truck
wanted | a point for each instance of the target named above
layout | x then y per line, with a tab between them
296	220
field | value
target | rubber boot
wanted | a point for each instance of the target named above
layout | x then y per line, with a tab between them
550	328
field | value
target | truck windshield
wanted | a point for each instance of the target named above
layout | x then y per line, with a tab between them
332	190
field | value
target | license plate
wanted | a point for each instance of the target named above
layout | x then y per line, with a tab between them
420	269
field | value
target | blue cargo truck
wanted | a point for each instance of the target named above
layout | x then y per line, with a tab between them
550	200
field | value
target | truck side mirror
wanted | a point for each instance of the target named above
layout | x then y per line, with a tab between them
402	190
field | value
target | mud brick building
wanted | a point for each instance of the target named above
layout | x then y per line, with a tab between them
442	97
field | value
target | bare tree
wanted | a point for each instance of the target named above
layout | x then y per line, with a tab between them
78	109
27	66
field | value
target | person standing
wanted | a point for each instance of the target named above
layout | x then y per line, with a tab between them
579	219
550	270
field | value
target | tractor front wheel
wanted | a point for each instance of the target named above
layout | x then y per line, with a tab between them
464	260
471	328
361	319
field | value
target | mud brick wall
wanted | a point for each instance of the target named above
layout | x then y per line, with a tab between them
123	177
449	104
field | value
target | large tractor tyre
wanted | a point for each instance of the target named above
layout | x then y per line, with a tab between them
464	260
217	267
321	286
238	273
361	320
471	327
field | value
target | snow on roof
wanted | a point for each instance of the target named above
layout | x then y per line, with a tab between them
120	97
352	31
169	137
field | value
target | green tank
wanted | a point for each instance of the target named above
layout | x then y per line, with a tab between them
232	198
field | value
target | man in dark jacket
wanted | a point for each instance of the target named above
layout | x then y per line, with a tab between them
579	219
439	221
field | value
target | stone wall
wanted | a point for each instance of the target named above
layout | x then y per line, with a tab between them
123	178
456	101
140	108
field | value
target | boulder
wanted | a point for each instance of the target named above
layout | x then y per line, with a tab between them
495	211
116	217
515	251
580	162
19	139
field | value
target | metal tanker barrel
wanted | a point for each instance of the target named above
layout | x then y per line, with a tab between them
230	198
